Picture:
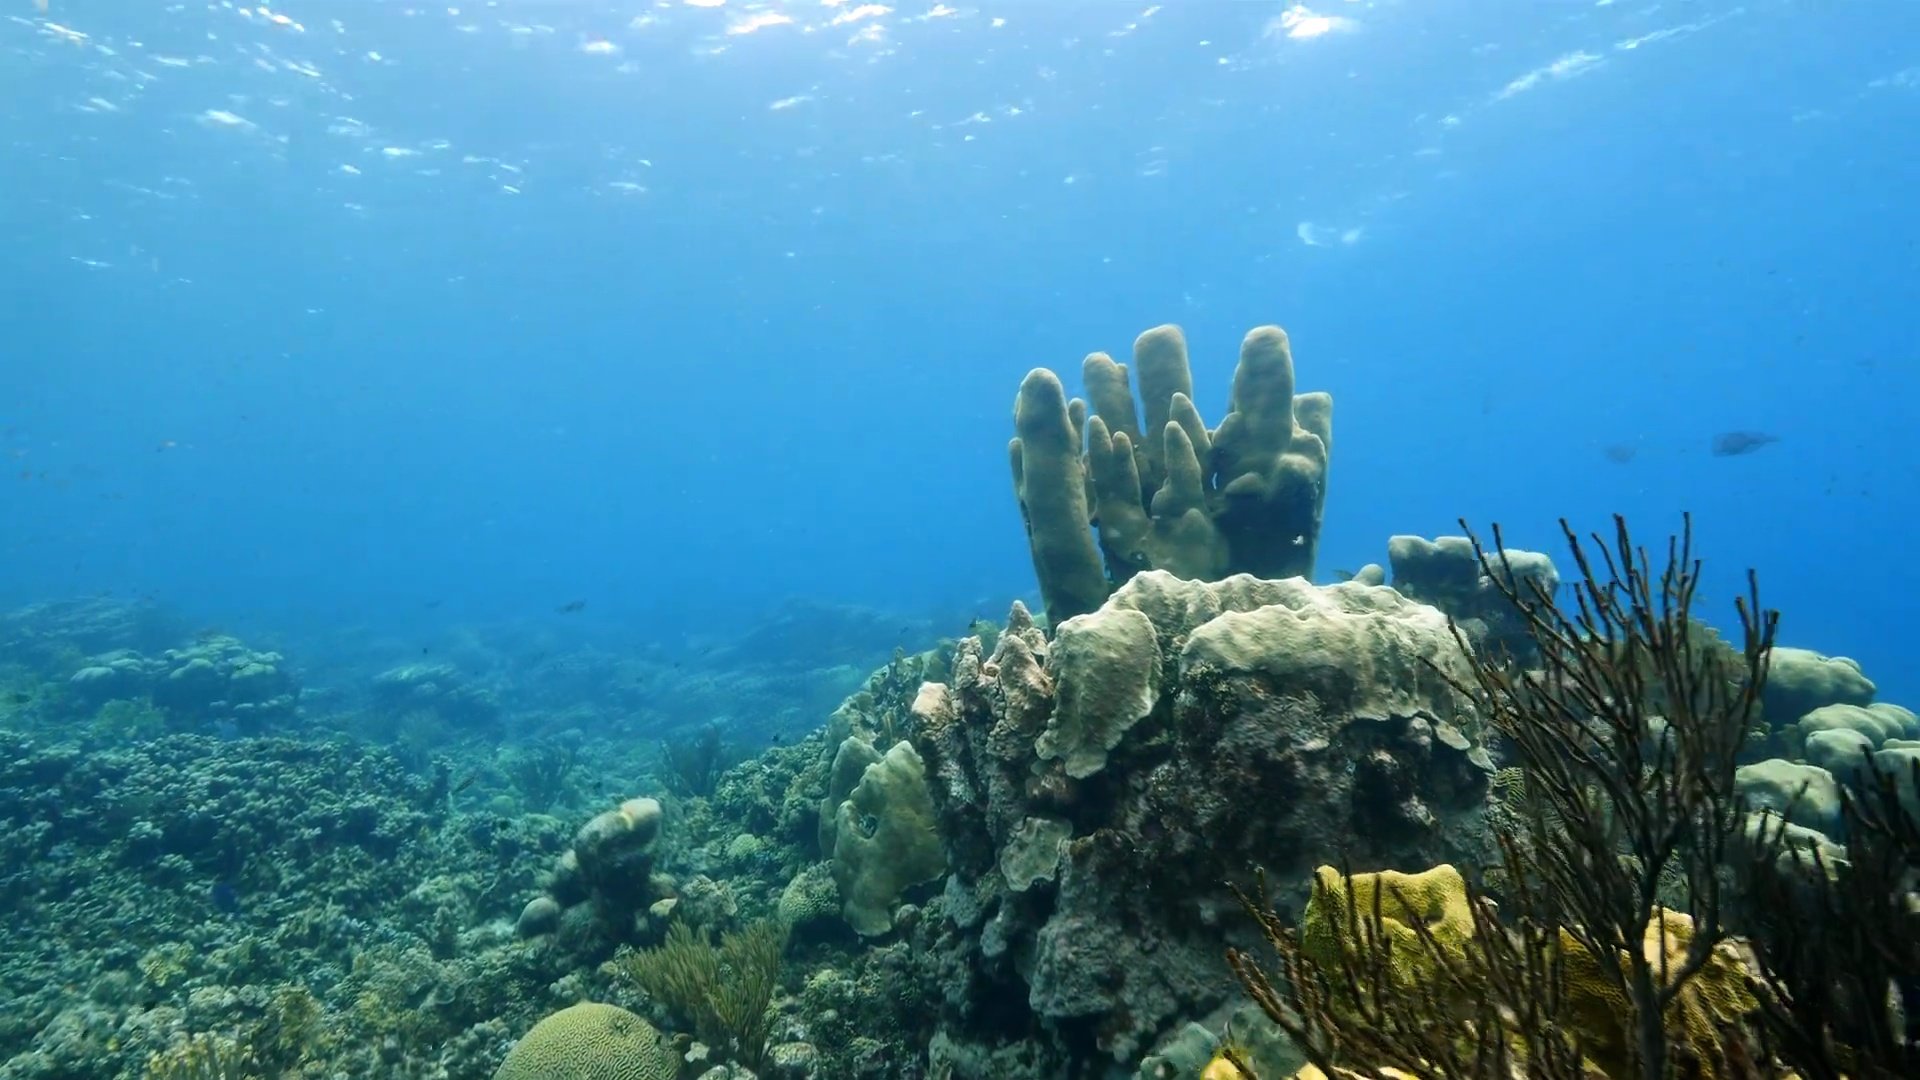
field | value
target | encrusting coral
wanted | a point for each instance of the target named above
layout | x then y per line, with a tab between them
1200	503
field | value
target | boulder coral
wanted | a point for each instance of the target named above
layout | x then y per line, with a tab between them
1446	573
1201	503
1243	721
1825	732
603	887
1801	680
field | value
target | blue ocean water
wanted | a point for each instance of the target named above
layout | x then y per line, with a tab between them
410	314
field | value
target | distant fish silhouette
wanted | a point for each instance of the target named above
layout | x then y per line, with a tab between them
1735	443
1619	453
571	606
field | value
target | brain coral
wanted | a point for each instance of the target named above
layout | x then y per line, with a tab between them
590	1041
810	897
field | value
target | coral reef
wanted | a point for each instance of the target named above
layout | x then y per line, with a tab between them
1004	857
1244	497
57	635
217	683
188	887
436	691
691	764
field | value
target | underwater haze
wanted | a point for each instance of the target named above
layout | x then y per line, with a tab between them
402	312
605	538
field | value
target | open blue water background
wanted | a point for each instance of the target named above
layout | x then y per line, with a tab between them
325	313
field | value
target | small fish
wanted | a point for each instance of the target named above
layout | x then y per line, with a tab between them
571	606
1619	453
472	778
1735	443
1343	575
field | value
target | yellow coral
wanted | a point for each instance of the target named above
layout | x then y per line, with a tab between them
1220	1069
812	896
1596	1005
1711	999
163	964
1437	897
591	1041
205	1056
1312	1072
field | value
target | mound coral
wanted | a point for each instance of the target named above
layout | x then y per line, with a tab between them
1091	787
591	1041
